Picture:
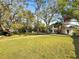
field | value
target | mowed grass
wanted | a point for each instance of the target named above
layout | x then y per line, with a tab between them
37	47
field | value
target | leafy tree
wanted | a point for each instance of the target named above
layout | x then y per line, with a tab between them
28	18
4	14
8	11
42	26
39	4
46	13
69	7
75	5
76	14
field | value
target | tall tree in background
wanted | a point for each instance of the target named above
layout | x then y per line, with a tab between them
27	18
9	9
69	8
75	5
4	14
39	4
47	11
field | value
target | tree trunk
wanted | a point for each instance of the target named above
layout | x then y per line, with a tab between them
47	29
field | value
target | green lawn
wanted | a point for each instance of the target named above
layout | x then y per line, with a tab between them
37	47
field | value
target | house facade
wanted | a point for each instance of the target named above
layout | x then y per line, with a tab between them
65	27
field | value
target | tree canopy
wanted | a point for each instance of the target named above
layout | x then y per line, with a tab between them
15	15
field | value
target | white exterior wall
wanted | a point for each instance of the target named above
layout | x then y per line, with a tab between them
71	32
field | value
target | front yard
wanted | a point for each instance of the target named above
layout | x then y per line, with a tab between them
37	47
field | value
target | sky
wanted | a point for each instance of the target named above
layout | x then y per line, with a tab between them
31	5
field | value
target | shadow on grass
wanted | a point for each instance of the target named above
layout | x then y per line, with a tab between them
76	45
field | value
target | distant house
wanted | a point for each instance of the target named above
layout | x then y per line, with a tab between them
56	23
70	25
57	28
61	27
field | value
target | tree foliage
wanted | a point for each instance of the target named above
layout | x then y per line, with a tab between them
69	7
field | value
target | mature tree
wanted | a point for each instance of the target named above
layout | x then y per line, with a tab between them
4	13
75	12
70	8
46	12
27	18
8	11
39	4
